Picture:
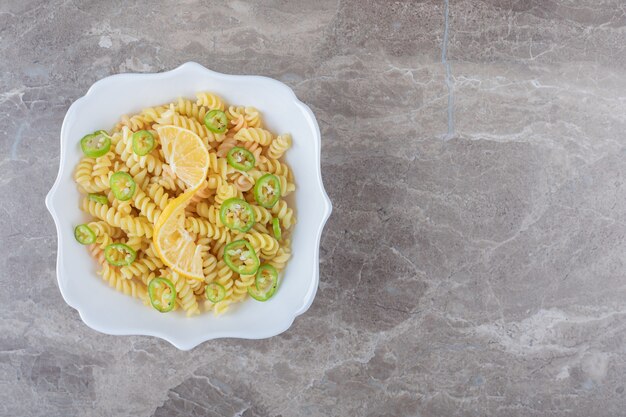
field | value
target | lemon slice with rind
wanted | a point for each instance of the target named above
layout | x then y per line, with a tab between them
185	153
173	244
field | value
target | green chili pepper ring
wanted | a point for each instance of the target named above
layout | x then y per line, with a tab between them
276	228
216	121
115	248
215	292
156	284
267	190
266	283
143	142
241	159
122	185
241	250
98	198
232	213
95	144
84	235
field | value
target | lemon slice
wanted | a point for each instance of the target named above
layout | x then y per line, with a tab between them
175	245
186	154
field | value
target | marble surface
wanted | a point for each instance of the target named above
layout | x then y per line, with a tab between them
474	264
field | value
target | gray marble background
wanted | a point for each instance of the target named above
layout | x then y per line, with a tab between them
474	264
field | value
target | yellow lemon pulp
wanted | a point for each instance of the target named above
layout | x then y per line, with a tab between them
173	244
185	153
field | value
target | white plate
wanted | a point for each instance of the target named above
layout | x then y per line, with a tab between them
108	311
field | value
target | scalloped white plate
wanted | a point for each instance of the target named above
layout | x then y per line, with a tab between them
104	309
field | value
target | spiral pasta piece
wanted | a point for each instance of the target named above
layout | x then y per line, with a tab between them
276	167
254	134
256	150
124	147
125	286
279	146
184	294
102	165
252	117
145	206
229	143
196	286
219	165
236	118
134	123
220	307
190	109
210	100
119	165
108	214
116	136
158	195
284	214
168	180
203	227
226	191
286	187
209	267
214	181
241	181
261	214
102	183
210	212
235	112
150	161
145	279
261	228
101	227
203	193
282	257
263	242
141	267
137	226
152	114
97	253
136	243
103	239
240	287
124	207
82	175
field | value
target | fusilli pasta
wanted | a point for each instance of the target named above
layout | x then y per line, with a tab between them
130	222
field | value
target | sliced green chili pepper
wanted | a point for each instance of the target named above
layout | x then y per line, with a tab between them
84	235
216	121
265	283
122	185
98	198
237	214
276	228
241	159
215	292
119	254
241	257
95	144
267	190
143	142
160	299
